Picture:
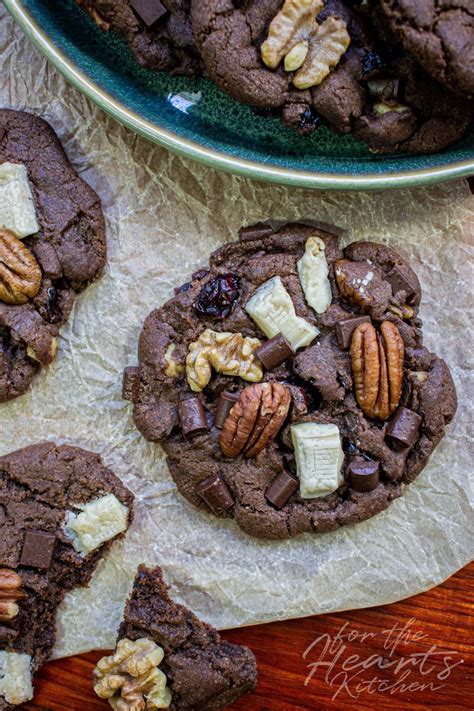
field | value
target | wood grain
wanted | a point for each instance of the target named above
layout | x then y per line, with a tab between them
438	623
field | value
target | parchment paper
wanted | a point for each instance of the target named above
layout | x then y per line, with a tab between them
165	215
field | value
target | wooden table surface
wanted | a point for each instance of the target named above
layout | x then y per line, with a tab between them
414	654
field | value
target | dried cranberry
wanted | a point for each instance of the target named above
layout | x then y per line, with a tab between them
372	63
309	122
349	447
183	287
217	298
200	274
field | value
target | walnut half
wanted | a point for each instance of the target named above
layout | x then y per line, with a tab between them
227	353
308	48
130	679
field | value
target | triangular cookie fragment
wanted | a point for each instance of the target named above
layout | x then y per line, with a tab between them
203	671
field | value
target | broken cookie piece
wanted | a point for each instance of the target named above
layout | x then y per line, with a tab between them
41	488
167	658
52	245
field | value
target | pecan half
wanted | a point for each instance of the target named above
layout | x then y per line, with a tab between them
377	366
20	274
11	590
255	420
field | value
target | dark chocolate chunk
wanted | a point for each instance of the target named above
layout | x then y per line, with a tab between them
215	492
400	281
346	327
38	549
363	474
402	430
149	11
274	352
226	402
281	489
131	379
258	231
7	635
192	417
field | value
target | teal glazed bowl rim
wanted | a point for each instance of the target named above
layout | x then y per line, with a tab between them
227	160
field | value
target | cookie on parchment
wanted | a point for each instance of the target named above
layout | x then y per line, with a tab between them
168	658
52	245
288	384
60	511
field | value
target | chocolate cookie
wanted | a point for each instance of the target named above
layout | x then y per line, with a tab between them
52	245
439	35
60	511
249	52
185	663
288	384
158	33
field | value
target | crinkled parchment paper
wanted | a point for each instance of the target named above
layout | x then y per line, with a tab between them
165	215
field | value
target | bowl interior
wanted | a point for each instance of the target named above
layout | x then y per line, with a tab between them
197	112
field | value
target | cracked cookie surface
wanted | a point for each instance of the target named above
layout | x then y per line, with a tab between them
375	91
319	377
439	34
39	486
166	44
70	248
204	672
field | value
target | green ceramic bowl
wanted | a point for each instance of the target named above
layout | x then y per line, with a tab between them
195	119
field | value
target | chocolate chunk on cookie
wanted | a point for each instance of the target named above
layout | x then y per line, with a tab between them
439	36
52	245
341	360
159	34
60	511
187	663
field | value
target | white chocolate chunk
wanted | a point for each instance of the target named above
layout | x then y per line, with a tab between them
17	208
319	458
15	677
273	311
99	521
313	272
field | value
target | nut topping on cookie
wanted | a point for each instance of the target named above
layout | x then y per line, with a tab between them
319	458
17	208
20	274
173	369
273	311
255	420
227	353
11	590
130	679
377	366
309	49
15	677
313	272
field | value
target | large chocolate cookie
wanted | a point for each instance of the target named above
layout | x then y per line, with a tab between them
52	247
439	34
380	96
187	663
60	510
305	432
159	33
